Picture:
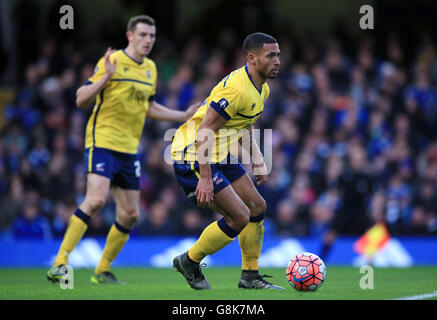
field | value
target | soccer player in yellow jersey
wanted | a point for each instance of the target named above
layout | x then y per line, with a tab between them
212	177
123	86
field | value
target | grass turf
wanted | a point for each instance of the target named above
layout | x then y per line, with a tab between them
342	283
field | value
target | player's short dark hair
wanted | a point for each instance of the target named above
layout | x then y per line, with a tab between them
255	41
132	24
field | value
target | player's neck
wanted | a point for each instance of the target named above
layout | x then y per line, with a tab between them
257	80
132	53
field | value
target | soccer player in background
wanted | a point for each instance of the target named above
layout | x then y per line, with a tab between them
212	177
123	85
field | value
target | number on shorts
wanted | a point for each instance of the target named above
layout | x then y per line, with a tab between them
137	168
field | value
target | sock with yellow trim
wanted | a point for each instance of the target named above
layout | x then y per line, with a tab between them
115	241
77	226
251	240
215	237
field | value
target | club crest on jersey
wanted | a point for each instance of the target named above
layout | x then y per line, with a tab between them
125	69
253	106
217	179
223	103
96	69
148	74
100	166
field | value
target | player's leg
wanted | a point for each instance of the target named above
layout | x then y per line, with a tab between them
127	213
222	232
219	233
98	162
215	236
96	194
251	237
126	193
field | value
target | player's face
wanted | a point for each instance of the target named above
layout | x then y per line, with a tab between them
268	60
143	38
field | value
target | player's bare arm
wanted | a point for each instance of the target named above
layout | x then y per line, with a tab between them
159	112
86	94
211	123
259	167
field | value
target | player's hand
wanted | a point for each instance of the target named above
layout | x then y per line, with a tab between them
260	172
110	67
204	192
191	110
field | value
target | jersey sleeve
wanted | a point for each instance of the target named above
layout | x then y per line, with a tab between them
99	72
154	76
225	101
267	93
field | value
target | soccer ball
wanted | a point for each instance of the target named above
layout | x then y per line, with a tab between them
306	272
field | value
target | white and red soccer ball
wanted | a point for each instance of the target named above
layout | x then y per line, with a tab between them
306	272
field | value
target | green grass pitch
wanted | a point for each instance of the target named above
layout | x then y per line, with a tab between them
342	283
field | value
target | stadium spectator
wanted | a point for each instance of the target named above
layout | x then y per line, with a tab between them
289	220
325	102
355	186
13	207
323	210
63	213
158	221
97	226
31	224
191	224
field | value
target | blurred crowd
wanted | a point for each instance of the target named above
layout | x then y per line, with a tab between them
354	140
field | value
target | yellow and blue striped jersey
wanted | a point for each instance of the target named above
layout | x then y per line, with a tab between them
120	111
237	100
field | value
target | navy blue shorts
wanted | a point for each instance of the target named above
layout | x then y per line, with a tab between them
223	174
123	169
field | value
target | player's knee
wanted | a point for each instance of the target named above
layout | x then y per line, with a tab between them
134	217
95	203
241	219
260	207
244	221
131	215
257	207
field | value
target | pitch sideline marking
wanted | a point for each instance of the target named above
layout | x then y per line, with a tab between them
420	296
